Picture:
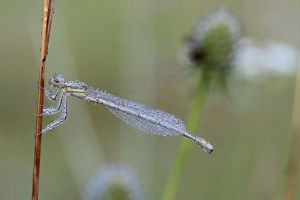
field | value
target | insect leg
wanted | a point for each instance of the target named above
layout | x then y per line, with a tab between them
51	95
62	117
54	110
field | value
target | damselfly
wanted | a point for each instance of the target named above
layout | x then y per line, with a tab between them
144	118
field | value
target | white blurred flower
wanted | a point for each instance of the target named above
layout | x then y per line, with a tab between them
255	58
114	176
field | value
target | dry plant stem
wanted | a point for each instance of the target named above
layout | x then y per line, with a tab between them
294	156
46	28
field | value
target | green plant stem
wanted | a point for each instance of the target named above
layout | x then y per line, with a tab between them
193	120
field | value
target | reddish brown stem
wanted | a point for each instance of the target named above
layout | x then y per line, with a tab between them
46	28
294	156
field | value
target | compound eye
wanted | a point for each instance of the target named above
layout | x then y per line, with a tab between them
56	81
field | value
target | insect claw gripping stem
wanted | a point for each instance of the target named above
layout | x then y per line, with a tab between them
63	116
144	118
51	95
52	110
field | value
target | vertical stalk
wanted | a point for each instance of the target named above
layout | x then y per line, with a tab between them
46	27
193	120
294	155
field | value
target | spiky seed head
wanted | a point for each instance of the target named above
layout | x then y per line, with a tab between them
212	42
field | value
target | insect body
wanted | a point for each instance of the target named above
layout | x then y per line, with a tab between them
144	118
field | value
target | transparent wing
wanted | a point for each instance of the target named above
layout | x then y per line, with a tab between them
150	120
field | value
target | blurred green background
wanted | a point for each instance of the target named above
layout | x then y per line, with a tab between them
131	48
